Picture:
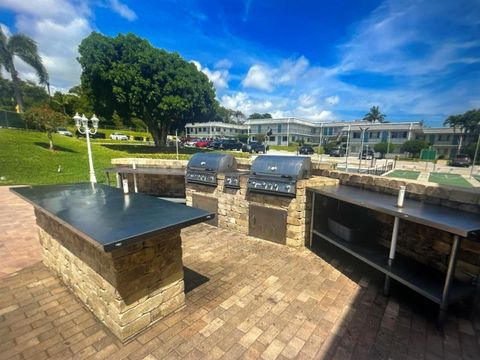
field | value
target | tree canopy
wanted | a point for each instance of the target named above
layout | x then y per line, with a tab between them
374	115
384	147
128	75
414	146
46	119
260	116
32	94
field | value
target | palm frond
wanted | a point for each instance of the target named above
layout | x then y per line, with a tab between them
5	57
26	49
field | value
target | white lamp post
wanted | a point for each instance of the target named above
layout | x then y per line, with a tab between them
81	123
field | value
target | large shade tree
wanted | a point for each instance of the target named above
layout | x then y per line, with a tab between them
374	115
26	49
126	74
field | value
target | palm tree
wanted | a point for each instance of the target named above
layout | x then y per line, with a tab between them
374	115
26	49
457	121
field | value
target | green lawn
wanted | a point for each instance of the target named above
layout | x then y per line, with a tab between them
26	159
404	174
448	179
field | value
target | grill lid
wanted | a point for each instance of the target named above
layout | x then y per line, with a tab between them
294	167
212	162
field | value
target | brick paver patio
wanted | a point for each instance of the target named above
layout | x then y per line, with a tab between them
246	298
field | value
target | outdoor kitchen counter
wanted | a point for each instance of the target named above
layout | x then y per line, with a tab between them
121	255
442	289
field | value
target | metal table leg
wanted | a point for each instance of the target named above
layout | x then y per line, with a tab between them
312	217
448	280
119	180
391	256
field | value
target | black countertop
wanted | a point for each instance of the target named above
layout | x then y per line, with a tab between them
108	218
448	219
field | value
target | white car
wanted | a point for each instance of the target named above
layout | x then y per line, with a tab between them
118	136
64	131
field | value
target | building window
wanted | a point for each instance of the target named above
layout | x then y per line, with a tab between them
279	128
356	135
443	137
218	129
271	138
284	138
374	135
259	129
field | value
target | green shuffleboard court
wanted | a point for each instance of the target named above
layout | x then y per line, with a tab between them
448	179
404	174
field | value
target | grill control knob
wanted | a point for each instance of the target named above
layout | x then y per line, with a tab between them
287	187
275	186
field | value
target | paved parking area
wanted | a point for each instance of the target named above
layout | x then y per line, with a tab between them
246	299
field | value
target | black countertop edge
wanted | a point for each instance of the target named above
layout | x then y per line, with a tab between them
402	213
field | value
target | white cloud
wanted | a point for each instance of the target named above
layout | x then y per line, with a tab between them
259	77
223	64
291	70
332	100
219	78
58	27
123	10
263	77
241	101
306	100
314	113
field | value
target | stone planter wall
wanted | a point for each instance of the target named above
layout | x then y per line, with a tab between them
127	289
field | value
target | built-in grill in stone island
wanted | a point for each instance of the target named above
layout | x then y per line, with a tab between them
278	175
203	168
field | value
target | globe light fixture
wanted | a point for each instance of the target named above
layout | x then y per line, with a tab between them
81	122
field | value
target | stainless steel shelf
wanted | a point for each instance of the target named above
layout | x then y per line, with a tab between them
416	276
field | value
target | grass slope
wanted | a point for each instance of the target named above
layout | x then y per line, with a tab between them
404	174
448	179
26	159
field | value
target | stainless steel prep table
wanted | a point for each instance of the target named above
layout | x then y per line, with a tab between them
431	284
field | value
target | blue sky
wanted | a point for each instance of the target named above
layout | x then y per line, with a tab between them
320	60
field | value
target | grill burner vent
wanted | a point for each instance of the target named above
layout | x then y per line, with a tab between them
278	174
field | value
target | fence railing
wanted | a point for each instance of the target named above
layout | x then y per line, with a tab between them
11	119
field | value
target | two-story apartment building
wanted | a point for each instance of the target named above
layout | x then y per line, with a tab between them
285	131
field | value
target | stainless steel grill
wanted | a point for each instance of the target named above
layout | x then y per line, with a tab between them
278	175
203	167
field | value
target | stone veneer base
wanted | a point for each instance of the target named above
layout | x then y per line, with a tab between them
128	289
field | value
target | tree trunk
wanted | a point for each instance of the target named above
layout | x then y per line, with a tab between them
163	133
16	87
154	132
50	140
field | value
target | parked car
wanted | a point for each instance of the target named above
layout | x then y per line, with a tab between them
228	144
339	152
118	136
462	160
97	135
190	142
306	150
202	143
254	147
366	154
63	131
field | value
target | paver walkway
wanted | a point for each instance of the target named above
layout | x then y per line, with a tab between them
19	246
246	298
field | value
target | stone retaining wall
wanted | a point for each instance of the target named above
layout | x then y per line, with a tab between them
127	289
